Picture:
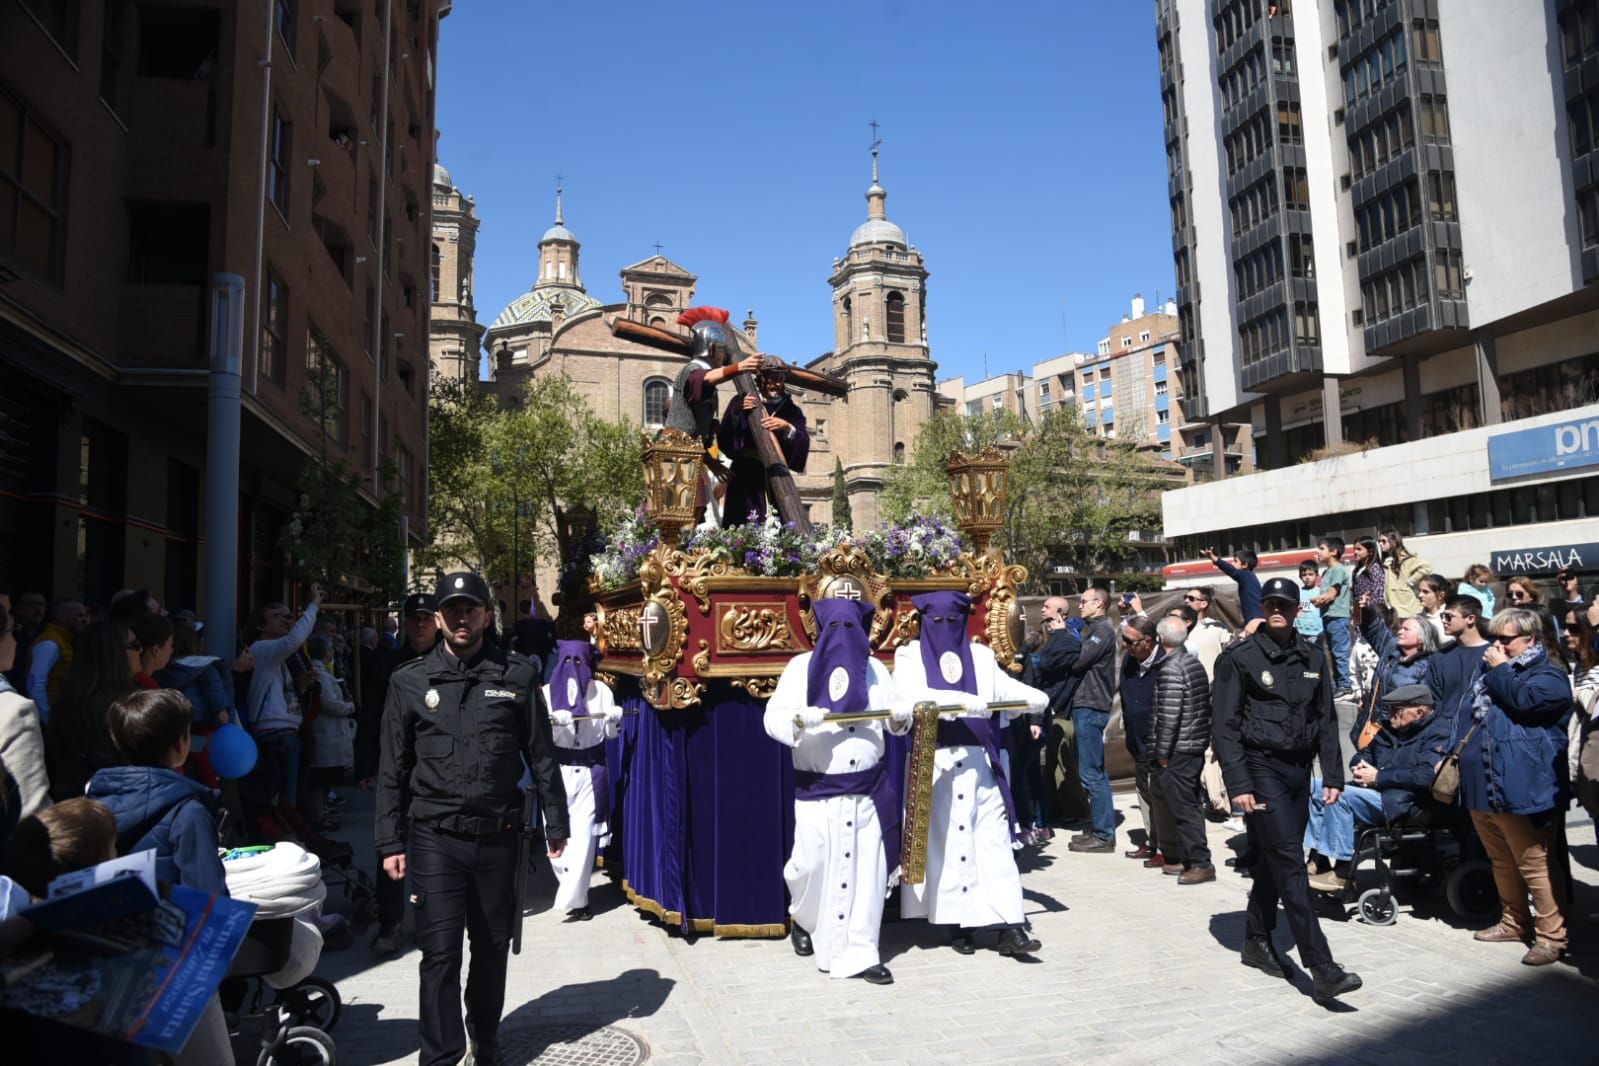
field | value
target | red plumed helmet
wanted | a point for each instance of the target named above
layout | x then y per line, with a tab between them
702	314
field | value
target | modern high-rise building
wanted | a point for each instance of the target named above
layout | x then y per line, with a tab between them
143	149
1385	230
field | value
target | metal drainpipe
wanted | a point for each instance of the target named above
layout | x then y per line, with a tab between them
382	256
260	205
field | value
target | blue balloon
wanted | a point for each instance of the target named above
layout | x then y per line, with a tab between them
232	751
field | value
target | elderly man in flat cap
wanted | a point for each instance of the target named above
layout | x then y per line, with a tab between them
1387	779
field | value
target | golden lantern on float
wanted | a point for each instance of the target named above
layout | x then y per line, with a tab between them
977	485
671	481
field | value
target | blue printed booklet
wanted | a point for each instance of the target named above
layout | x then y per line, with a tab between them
117	955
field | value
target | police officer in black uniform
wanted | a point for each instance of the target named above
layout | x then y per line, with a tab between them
1273	706
457	725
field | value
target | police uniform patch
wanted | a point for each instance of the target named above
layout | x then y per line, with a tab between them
1266	678
1313	675
432	699
949	664
838	683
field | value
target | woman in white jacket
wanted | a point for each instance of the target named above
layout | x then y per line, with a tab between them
332	733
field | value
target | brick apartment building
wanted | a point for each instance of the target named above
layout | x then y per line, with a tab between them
143	149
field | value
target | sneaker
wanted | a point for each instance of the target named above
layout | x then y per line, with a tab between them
1343	694
1234	824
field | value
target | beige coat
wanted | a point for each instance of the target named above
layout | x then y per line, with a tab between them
22	749
1400	589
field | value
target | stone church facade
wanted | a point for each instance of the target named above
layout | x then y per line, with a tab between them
454	333
879	291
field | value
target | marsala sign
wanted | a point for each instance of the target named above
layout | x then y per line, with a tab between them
1546	560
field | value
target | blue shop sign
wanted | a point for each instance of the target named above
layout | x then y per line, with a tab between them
1547	449
1549	559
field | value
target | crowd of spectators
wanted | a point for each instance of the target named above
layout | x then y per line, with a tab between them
1427	672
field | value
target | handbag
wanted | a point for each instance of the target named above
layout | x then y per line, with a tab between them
1446	783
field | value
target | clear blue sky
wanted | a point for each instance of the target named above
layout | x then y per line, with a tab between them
1022	153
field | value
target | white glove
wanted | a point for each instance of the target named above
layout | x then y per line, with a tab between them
613	714
561	718
974	704
900	712
811	717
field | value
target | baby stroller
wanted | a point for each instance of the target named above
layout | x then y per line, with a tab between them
279	953
339	871
294	1020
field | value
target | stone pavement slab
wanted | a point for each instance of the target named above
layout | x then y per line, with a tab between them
1133	968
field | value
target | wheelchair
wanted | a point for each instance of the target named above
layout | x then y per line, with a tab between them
294	1021
1432	849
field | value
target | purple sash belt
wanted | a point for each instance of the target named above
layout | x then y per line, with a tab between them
594	759
873	783
980	733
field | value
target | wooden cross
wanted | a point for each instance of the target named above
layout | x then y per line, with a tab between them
657	247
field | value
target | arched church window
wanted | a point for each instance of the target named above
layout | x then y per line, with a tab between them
658	321
658	301
433	268
896	318
657	392
899	451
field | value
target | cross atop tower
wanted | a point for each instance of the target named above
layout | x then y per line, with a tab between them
877	143
559	178
658	247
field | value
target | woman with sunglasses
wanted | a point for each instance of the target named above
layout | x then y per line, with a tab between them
1513	780
1403	572
1523	592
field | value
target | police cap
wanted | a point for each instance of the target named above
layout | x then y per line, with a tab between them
462	585
1280	588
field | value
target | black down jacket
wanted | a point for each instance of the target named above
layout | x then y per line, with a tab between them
1182	706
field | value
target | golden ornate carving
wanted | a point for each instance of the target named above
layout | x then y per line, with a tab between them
681	693
702	659
907	626
619	630
759	688
848	572
606	678
754	627
919	795
692	571
672	464
662	614
978	485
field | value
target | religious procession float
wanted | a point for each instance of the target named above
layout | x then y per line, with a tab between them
695	624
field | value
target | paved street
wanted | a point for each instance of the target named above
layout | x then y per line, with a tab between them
1133	969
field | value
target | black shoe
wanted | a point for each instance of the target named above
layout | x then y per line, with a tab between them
482	1055
875	975
1013	941
1332	980
962	943
802	942
1093	846
581	914
1259	953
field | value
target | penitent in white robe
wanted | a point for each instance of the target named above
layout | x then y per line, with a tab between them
837	874
972	880
575	868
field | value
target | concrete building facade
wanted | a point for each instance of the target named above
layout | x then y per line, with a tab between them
1375	246
151	147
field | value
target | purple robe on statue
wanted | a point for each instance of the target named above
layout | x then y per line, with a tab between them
746	489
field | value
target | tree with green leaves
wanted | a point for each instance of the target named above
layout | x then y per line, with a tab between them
1074	497
842	518
513	488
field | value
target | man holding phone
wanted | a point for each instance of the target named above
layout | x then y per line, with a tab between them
1273	716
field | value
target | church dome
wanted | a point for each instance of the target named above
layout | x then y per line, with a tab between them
558	232
534	306
877	231
441	176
